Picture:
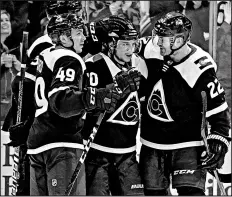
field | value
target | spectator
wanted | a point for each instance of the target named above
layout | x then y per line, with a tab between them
9	63
223	57
119	6
200	20
157	9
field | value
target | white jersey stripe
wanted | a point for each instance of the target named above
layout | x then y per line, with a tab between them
54	145
56	90
217	110
171	146
112	150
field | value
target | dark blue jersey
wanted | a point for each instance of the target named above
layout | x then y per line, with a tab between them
58	97
117	132
171	100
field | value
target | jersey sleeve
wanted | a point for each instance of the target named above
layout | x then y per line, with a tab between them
65	93
217	109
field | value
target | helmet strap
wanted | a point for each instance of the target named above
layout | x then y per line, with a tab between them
172	41
120	64
71	47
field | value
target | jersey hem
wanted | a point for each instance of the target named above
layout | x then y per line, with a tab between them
54	145
112	150
171	146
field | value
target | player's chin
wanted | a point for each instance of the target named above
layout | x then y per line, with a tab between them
127	58
79	49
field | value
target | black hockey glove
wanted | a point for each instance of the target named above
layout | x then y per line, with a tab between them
19	134
136	77
125	83
218	147
102	98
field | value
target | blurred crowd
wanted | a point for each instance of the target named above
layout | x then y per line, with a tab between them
19	16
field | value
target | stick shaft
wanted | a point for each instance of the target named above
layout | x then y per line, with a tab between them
84	154
203	134
23	60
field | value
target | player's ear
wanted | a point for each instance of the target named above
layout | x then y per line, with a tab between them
65	40
179	41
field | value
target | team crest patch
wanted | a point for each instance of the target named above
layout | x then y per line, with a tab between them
156	106
128	113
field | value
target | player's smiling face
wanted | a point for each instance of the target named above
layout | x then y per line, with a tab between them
165	45
78	39
125	49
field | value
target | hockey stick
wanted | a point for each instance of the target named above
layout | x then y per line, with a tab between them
23	60
203	135
84	154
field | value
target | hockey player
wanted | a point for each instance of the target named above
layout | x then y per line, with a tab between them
19	132
172	112
111	166
53	8
55	142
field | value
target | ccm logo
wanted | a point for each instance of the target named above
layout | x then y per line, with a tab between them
176	172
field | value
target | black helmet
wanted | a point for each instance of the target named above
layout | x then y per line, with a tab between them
120	28
62	24
63	6
173	24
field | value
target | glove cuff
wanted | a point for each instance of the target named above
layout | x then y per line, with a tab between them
116	87
88	98
220	138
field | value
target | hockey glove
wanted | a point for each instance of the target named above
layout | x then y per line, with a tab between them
102	99
125	83
218	147
19	134
136	77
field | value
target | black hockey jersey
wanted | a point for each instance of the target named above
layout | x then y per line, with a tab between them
58	97
28	106
172	104
39	45
117	132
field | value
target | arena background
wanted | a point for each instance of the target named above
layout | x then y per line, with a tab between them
30	16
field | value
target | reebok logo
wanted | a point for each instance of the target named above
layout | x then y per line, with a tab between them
176	172
136	186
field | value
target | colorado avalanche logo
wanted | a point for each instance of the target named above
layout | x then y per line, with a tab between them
128	113
156	106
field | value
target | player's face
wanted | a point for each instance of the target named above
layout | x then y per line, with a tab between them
78	39
125	49
5	23
165	45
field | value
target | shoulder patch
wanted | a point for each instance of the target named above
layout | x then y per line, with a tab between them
192	68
